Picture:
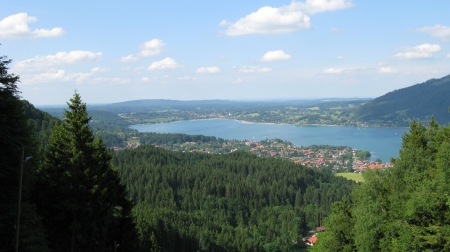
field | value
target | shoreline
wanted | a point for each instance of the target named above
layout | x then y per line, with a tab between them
272	123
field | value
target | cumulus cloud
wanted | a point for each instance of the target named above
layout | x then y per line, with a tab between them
167	63
448	55
52	75
387	70
287	18
60	58
269	20
419	52
237	81
255	69
333	70
437	31
208	70
57	76
275	55
145	79
16	26
150	48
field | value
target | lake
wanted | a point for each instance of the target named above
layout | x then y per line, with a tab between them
383	143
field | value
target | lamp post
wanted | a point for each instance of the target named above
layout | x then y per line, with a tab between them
19	195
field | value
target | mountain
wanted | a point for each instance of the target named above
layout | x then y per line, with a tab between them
419	101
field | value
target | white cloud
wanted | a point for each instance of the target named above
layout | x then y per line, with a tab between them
224	23
63	76
186	78
61	58
287	18
333	70
134	69
340	57
254	69
413	55
315	6
208	70
269	20
58	76
129	58
145	79
265	70
150	48
387	70
114	80
427	48
448	55
99	69
16	26
237	81
275	55
437	31
419	52
167	63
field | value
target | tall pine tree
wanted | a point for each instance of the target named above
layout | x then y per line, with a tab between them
81	197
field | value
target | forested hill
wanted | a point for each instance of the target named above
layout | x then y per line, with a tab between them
420	101
42	122
233	202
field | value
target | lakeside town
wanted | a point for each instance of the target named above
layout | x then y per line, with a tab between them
330	159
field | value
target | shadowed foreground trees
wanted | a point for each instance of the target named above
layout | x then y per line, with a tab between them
406	208
15	134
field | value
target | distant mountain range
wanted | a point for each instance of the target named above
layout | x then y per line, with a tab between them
419	101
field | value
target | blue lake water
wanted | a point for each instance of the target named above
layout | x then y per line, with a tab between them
383	143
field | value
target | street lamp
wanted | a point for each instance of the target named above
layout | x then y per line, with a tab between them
19	195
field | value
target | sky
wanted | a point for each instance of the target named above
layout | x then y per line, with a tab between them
114	51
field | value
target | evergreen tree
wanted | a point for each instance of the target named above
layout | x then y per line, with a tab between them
405	208
15	135
339	227
81	198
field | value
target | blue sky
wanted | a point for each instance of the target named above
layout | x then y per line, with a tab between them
112	51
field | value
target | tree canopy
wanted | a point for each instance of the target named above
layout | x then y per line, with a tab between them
405	208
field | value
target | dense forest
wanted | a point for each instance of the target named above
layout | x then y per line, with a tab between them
233	202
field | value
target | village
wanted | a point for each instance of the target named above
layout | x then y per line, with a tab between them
331	159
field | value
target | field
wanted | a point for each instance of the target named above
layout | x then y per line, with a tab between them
351	175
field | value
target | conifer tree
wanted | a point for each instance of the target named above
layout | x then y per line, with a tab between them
15	135
84	204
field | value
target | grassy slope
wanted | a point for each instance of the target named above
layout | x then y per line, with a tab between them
351	175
